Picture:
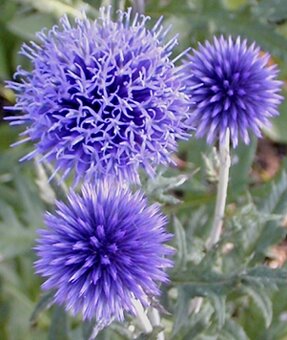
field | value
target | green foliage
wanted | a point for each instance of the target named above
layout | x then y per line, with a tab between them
211	295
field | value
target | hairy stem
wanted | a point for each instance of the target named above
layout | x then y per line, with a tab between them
222	186
221	191
154	317
142	319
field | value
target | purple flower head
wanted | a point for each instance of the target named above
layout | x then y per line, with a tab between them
232	86
103	249
103	97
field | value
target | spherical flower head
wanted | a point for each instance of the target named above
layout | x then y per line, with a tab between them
103	98
232	87
102	250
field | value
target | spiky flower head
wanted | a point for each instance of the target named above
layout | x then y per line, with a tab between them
232	87
103	249
103	97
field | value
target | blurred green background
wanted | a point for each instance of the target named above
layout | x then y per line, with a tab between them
24	192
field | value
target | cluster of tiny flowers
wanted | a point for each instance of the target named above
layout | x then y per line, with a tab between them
103	249
232	87
103	97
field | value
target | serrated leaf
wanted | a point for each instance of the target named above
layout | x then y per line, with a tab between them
198	219
250	224
160	188
242	160
212	164
277	194
275	202
199	322
218	303
235	330
262	301
181	311
180	238
267	275
195	324
197	281
164	184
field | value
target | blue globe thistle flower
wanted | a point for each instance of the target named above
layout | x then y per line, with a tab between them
232	86
103	249
103	97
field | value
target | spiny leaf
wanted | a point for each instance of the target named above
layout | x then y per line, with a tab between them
262	301
159	188
235	330
267	275
164	184
242	160
278	191
212	163
198	324
219	304
180	239
181	311
250	224
198	281
275	203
